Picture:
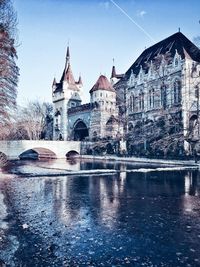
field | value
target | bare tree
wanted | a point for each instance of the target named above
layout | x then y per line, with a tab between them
9	72
33	120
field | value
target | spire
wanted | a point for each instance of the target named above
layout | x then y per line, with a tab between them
113	74
68	54
67	73
67	58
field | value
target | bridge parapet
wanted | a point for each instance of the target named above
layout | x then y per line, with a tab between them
12	149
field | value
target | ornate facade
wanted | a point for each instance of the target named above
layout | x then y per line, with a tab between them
162	88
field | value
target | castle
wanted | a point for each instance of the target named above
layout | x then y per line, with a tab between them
159	92
74	121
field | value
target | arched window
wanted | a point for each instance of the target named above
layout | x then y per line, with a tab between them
177	91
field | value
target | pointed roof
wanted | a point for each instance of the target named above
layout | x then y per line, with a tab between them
79	80
68	54
69	77
177	41
54	82
102	84
113	74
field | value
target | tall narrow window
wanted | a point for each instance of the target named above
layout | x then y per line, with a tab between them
163	96
150	98
177	92
133	103
153	98
130	103
142	104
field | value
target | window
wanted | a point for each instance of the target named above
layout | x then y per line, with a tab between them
141	100
163	96
177	91
153	98
133	103
150	98
130	103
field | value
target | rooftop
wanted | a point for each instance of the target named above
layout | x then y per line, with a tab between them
176	42
102	84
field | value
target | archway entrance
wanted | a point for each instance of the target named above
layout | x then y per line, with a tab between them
80	131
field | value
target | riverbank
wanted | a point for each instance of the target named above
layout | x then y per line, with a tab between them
162	162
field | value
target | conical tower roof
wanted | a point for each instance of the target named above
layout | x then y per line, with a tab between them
102	84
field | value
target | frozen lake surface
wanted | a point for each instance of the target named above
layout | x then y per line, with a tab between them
123	215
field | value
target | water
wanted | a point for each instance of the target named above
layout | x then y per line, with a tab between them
140	218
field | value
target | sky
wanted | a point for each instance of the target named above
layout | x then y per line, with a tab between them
97	31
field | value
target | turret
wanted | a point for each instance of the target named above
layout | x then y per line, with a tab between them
102	92
114	76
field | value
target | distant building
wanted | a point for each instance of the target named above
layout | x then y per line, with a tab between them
74	121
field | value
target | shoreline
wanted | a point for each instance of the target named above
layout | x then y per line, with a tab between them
142	160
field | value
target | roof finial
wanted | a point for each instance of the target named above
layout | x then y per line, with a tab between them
179	29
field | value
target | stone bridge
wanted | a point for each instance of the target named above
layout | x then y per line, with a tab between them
44	149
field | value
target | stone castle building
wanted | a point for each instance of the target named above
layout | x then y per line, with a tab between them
158	96
74	121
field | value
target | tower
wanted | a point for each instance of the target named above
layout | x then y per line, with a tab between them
65	94
103	99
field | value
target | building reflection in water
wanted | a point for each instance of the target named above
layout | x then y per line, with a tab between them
80	200
77	201
191	189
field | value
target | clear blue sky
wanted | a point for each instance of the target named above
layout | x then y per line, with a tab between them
97	31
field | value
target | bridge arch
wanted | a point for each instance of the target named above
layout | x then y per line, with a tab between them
72	154
80	130
38	153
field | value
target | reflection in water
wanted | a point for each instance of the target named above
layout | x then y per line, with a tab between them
8	243
143	217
